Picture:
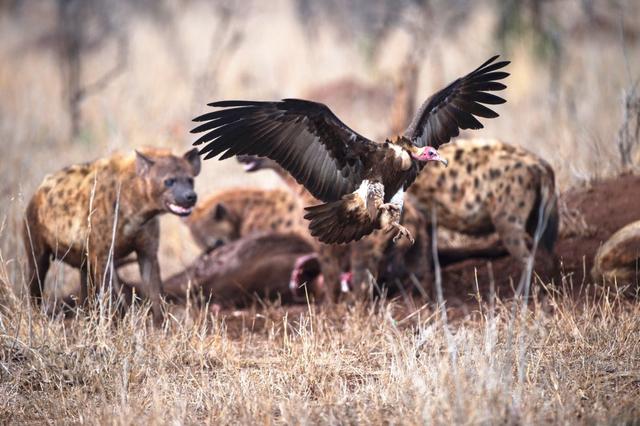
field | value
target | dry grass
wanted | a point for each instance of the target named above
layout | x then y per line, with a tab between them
563	360
559	361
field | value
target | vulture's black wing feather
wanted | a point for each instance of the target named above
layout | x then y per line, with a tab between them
456	106
304	137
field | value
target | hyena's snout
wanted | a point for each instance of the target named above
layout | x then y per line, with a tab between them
187	198
182	199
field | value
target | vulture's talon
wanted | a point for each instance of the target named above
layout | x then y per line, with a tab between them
401	231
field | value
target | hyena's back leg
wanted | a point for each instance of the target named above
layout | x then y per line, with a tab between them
509	218
38	262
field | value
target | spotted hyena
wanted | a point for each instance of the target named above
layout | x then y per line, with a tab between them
491	186
234	213
244	213
92	215
618	259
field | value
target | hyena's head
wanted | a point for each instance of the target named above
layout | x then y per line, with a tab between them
169	179
214	224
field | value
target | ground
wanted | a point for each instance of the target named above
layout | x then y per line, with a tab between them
607	205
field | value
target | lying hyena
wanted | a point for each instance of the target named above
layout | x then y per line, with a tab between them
234	213
491	186
93	215
618	259
242	213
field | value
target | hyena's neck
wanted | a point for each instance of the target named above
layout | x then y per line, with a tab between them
136	203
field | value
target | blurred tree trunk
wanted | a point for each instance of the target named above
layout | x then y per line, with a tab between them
629	133
225	41
404	102
75	40
70	29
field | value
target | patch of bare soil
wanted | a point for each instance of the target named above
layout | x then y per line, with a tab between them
606	206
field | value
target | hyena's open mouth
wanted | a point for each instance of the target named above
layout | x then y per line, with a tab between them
250	163
251	166
179	210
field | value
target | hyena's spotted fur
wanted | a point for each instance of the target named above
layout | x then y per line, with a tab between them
92	215
234	213
618	259
491	186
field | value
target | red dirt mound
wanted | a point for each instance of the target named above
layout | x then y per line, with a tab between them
606	206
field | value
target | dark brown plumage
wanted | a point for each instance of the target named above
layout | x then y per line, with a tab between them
332	161
442	115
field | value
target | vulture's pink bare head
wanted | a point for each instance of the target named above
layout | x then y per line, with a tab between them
429	153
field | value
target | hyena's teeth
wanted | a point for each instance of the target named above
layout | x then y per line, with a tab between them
179	209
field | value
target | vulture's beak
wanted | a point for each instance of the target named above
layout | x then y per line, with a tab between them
430	154
434	155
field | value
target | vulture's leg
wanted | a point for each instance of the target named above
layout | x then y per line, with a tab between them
388	214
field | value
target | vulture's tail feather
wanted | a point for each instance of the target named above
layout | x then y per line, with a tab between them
340	221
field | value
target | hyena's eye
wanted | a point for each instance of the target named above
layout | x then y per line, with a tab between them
190	181
169	182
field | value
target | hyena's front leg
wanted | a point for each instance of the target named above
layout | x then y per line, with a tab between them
387	214
84	284
102	285
147	252
150	273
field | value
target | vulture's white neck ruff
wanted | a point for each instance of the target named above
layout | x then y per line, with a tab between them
402	156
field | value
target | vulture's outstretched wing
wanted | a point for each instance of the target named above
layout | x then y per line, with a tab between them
304	137
453	108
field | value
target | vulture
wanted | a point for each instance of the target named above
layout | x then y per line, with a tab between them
360	181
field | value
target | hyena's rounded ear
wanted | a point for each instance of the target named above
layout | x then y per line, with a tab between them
143	163
220	212
193	158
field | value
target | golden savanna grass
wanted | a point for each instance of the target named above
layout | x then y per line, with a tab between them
570	355
559	361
